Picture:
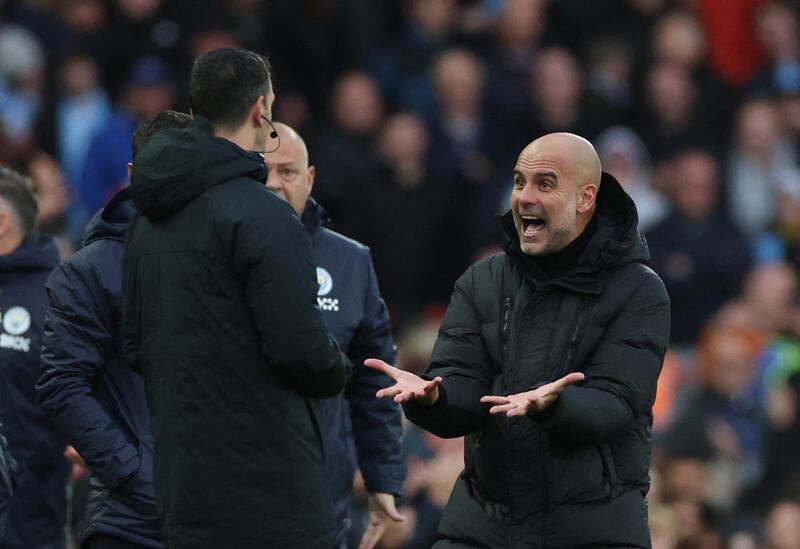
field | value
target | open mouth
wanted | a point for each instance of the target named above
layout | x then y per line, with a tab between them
532	224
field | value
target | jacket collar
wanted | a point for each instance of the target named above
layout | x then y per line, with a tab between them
38	252
315	218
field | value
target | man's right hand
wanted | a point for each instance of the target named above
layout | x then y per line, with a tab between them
408	386
74	457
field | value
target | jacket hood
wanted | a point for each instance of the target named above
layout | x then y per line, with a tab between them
178	165
315	217
616	240
38	252
111	222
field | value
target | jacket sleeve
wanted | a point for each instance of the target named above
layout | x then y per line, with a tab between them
621	375
274	251
377	427
78	334
7	471
460	357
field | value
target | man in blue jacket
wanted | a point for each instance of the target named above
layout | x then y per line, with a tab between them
95	400
37	514
356	424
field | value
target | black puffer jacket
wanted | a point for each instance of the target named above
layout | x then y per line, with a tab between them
578	476
95	400
220	314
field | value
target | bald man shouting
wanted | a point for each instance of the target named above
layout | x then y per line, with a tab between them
547	361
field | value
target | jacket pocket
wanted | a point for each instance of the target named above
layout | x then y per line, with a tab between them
138	492
576	475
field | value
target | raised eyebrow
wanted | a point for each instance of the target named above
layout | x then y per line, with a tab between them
542	175
537	175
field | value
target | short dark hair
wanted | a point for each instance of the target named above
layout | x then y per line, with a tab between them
161	121
225	83
16	191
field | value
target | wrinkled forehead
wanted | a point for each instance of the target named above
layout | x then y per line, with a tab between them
537	160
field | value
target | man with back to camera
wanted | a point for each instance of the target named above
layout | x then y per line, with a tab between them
220	315
37	511
95	400
547	361
354	422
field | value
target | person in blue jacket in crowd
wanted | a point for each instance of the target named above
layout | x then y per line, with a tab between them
97	402
360	430
38	509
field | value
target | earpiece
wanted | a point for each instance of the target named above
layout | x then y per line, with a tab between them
274	133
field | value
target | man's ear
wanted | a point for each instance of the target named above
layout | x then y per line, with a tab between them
5	223
587	195
130	169
257	113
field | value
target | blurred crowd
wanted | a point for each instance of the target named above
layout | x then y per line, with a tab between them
414	112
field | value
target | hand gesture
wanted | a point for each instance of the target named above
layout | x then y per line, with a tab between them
537	400
408	386
381	508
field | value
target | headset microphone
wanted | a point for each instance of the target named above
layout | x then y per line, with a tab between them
274	133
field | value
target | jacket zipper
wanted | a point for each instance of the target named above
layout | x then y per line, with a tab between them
574	338
515	348
504	326
521	305
571	345
470	469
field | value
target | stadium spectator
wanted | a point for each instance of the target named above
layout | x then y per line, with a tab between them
672	120
403	70
696	249
79	115
147	91
626	158
405	215
510	59
761	153
344	150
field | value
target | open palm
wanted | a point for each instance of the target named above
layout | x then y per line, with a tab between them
408	386
537	400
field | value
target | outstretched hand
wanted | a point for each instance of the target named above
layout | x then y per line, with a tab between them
537	400
408	386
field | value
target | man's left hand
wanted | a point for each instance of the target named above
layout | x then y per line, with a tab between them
537	400
381	508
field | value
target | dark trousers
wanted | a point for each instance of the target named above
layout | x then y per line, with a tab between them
100	541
